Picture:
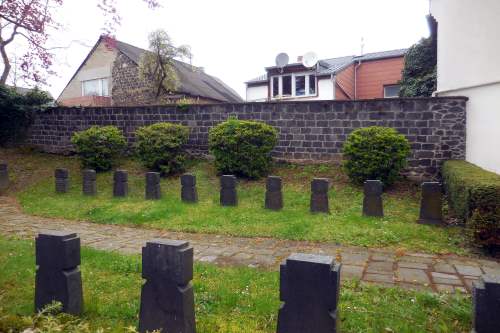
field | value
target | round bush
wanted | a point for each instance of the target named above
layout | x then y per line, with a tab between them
160	147
99	147
242	147
375	153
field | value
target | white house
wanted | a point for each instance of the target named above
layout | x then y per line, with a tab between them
468	37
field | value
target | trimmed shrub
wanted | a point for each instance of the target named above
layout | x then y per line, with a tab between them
474	197
160	147
99	147
242	147
375	153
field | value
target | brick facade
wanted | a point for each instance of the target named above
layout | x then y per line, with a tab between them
309	131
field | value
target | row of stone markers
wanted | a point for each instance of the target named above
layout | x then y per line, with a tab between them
430	211
309	288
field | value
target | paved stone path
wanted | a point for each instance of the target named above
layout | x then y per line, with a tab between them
383	267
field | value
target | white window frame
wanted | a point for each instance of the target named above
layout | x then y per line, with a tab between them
293	76
391	85
101	87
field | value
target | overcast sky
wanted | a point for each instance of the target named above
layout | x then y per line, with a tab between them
234	40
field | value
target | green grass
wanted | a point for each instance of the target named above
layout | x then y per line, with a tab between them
345	225
228	300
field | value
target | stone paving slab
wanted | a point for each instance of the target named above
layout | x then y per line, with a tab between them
420	271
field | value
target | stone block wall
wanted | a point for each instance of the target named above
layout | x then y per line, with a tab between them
309	131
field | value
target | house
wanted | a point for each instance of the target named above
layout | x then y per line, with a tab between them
468	45
372	75
109	75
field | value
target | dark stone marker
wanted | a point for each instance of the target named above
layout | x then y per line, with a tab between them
62	180
309	290
89	182
4	176
431	204
486	305
153	187
58	277
188	188
167	297
228	195
372	201
319	195
120	183
274	196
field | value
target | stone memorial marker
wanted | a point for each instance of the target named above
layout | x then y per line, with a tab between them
274	195
62	180
431	204
486	305
153	187
319	195
188	188
58	276
4	176
89	182
167	297
228	194
309	290
372	201
120	183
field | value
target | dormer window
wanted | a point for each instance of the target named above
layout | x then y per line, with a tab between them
293	85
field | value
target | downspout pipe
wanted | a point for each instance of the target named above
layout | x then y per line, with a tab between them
356	79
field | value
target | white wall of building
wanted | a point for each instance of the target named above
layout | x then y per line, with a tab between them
469	65
257	93
325	92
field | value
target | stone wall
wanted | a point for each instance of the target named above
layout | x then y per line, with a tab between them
309	131
128	89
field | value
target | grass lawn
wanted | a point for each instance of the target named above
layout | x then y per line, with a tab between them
228	300
34	188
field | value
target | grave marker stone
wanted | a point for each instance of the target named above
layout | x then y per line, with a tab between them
62	180
120	183
486	305
167	297
319	195
431	206
309	290
58	276
372	201
274	195
153	187
89	182
228	194
188	188
4	176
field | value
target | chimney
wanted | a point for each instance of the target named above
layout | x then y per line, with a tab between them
299	58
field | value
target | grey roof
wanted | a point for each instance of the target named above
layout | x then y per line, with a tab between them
193	80
334	65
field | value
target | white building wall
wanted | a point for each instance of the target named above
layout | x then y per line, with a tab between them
469	65
325	92
257	93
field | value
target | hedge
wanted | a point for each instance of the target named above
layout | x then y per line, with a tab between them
474	197
242	147
160	147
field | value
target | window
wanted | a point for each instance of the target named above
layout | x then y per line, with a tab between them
276	86
286	85
294	85
312	85
98	87
391	91
300	85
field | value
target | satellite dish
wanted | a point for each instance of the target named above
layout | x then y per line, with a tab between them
282	60
310	59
